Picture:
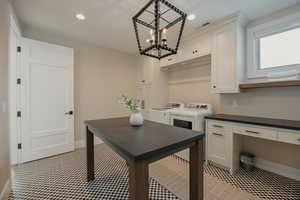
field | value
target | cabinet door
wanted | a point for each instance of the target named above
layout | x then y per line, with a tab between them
170	60
224	62
217	147
197	47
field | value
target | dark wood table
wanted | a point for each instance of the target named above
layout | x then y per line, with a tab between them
140	146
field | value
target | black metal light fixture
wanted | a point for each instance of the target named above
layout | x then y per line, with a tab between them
156	25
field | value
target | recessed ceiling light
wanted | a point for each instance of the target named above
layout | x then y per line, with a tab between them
80	16
191	17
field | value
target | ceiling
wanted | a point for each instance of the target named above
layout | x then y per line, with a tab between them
108	22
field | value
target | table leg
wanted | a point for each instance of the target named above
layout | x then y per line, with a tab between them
196	171
90	155
139	181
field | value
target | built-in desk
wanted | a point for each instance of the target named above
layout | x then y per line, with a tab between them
223	136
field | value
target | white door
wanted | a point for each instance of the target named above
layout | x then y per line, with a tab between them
14	92
47	118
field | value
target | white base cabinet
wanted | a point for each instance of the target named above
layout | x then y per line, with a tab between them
224	140
218	143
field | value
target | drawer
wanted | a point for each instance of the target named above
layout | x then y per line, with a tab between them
289	137
254	131
216	125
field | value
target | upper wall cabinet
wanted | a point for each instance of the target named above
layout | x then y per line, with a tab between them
190	49
228	57
170	60
194	48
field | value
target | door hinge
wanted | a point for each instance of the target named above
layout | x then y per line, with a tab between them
18	81
20	146
19	49
19	114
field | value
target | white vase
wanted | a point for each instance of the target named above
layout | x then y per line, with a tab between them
136	118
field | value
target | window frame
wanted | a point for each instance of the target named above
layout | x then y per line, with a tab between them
256	32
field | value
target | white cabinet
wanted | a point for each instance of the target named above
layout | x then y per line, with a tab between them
170	60
256	131
224	140
218	143
225	42
196	47
228	59
189	49
292	137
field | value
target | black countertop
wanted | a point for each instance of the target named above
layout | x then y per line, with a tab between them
142	142
277	123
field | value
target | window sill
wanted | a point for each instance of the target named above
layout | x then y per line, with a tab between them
270	84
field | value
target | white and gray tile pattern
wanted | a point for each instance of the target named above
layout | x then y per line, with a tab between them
64	177
260	183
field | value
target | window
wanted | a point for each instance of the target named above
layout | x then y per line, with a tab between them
281	49
274	47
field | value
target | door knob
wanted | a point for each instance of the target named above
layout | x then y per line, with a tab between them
69	113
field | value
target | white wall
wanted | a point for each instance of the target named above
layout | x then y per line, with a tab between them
190	85
101	76
155	88
281	103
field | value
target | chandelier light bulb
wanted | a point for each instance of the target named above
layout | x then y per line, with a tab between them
164	34
80	16
191	17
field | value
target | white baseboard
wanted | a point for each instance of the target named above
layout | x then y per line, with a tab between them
81	143
280	169
6	191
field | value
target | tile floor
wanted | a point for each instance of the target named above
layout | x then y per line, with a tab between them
63	177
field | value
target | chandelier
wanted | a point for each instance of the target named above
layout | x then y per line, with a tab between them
158	28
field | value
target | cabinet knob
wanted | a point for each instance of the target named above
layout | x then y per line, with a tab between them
254	132
214	86
218	126
218	134
69	113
